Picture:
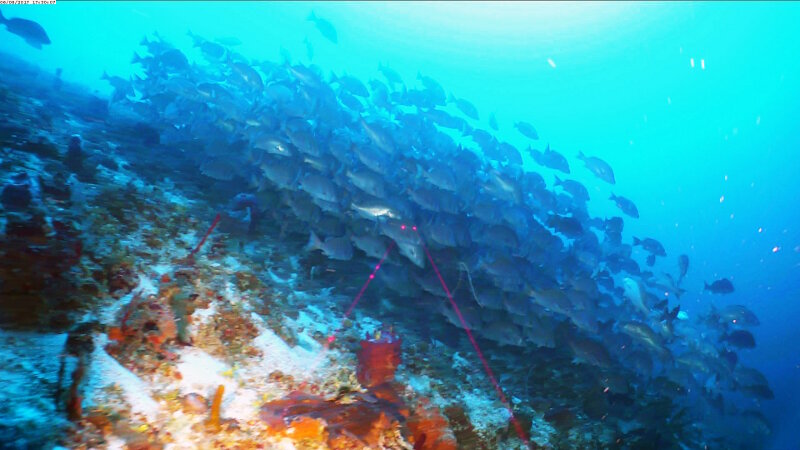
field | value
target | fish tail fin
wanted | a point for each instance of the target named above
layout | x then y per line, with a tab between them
705	286
136	58
2	18
314	243
558	181
613	197
104	76
636	241
312	17
581	155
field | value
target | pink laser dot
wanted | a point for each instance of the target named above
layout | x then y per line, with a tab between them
402	227
414	228
331	339
371	276
378	267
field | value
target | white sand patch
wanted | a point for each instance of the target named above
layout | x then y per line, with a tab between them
105	370
201	373
277	355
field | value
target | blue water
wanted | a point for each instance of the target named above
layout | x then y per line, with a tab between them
708	150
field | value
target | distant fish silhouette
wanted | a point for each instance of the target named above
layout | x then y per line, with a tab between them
326	28
32	32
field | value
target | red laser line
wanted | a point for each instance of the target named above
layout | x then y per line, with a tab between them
474	343
203	241
371	277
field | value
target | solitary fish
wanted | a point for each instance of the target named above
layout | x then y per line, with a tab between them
683	265
32	32
722	286
325	28
625	205
600	168
527	130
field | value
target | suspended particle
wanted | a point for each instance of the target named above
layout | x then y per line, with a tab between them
722	199
551	62
775	249
760	229
702	64
691	62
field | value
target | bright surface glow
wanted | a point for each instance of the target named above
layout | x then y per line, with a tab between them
509	18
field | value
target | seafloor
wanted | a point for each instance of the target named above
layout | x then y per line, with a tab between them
116	335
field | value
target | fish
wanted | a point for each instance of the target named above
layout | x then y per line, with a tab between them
634	293
683	267
590	351
375	209
650	245
598	167
372	246
244	75
211	50
568	226
351	84
574	188
30	31
734	314
465	107
390	74
644	335
379	136
721	286
325	28
319	187
550	158
433	90
527	130
367	181
625	205
739	339
339	248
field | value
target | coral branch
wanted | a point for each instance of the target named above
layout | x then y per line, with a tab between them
203	241
213	421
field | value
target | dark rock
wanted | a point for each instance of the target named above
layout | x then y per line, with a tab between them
16	195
